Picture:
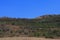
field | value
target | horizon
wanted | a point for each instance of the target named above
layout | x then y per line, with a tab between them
28	18
28	8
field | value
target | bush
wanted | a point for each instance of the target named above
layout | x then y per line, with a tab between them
47	35
36	34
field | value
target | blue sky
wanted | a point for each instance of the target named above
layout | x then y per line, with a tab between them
28	8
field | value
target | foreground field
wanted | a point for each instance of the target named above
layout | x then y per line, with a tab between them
25	38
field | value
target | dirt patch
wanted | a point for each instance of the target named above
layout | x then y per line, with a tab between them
25	38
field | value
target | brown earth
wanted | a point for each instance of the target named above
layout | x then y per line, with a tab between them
25	38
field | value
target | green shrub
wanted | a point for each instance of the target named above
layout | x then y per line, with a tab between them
36	34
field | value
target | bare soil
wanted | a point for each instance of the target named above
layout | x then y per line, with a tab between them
25	38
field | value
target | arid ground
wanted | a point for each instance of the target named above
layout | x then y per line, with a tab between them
25	38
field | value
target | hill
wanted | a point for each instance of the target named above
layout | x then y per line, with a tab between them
47	26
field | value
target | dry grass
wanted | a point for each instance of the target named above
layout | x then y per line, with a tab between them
25	38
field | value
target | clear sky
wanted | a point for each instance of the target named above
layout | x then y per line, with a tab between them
28	8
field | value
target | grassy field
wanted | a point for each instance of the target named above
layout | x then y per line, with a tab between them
25	38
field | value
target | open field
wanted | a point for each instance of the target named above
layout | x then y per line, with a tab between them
25	38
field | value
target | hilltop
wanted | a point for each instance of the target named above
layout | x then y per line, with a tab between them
47	26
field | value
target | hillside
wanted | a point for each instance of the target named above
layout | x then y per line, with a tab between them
47	26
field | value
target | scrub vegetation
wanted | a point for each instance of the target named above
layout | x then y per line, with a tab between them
47	26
